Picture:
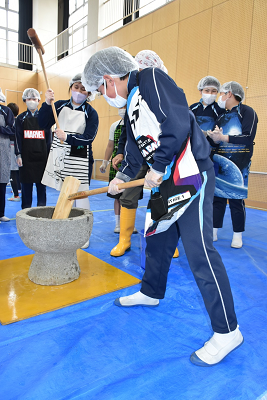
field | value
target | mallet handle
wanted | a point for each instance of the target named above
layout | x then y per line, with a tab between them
86	193
35	40
40	50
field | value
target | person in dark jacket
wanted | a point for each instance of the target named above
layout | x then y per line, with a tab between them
7	133
14	169
129	198
234	135
162	130
207	110
31	148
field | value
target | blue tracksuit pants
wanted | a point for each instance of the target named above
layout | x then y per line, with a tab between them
195	229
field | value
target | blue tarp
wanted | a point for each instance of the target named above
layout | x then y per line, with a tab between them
95	350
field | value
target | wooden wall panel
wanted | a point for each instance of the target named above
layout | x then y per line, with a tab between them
14	81
259	159
257	75
216	2
141	44
193	54
230	40
141	27
257	188
166	16
101	140
188	8
164	43
122	36
9	73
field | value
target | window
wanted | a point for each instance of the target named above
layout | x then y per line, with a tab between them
9	23
78	11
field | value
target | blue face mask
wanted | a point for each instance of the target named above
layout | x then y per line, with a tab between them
118	101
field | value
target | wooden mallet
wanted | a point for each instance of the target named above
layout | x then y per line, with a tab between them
64	205
40	50
86	193
67	194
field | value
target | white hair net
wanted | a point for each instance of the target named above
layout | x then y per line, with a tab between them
111	61
148	58
76	78
208	81
233	87
2	96
31	93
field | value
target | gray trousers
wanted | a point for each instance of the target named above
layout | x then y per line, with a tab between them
129	198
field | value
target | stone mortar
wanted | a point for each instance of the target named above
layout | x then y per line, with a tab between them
55	242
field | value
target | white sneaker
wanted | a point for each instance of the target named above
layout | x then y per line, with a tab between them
215	237
85	245
4	219
237	240
136	299
215	349
117	229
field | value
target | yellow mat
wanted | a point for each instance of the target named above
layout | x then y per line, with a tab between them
21	299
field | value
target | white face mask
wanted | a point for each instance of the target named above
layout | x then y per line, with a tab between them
118	101
78	97
221	103
209	98
31	104
121	112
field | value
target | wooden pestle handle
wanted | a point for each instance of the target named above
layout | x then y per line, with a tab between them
40	50
86	193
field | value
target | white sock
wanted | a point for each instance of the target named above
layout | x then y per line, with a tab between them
138	298
237	235
224	338
117	220
215	232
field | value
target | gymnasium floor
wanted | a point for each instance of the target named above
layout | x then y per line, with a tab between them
95	350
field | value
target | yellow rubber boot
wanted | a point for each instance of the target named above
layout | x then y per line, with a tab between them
127	220
176	253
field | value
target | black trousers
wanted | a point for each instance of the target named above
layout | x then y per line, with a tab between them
26	194
195	229
15	183
2	199
237	209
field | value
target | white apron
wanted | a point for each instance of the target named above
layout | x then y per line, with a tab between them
61	161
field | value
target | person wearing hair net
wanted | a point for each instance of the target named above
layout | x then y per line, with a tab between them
31	148
14	169
78	123
234	135
157	109
207	110
129	198
7	133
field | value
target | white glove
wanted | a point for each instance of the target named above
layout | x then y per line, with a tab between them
153	178
103	166
113	186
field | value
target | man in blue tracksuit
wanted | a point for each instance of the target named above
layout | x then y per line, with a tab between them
158	126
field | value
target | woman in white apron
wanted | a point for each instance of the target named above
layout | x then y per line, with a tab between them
79	124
